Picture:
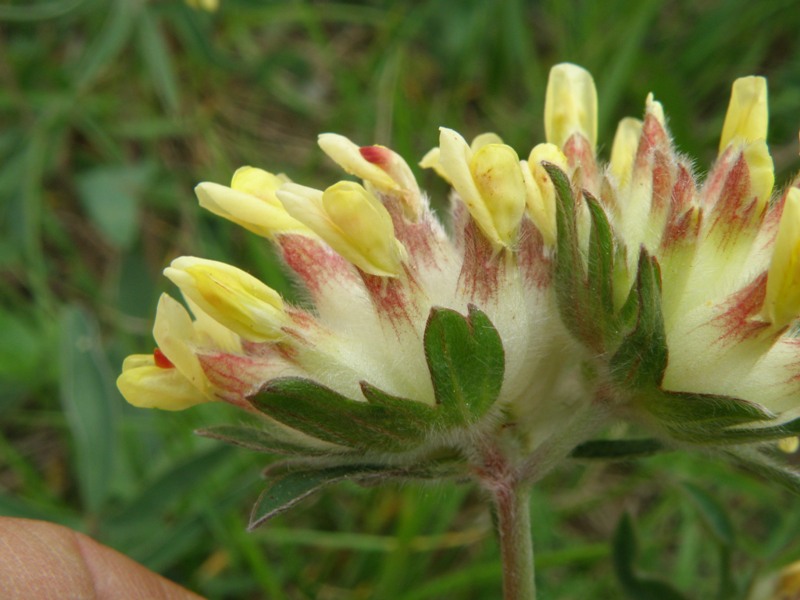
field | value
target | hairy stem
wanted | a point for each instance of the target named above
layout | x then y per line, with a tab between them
511	502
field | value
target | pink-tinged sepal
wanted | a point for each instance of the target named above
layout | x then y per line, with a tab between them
483	268
394	298
684	218
581	160
734	209
317	266
236	377
425	240
682	230
534	258
654	138
740	319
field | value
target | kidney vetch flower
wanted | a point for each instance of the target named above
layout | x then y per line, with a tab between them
569	293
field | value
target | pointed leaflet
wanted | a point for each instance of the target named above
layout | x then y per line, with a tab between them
260	440
416	414
601	268
466	361
570	275
703	418
641	359
286	491
749	435
327	415
291	481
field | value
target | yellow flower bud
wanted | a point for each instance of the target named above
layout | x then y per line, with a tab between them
352	222
367	226
762	171
748	115
497	175
623	152
431	160
541	195
782	300
348	156
257	182
232	297
382	170
489	182
570	105
250	202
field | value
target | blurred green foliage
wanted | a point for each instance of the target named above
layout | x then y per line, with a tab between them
111	110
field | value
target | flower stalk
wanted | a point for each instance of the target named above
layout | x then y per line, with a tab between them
512	509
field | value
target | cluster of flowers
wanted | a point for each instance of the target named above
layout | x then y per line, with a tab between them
569	292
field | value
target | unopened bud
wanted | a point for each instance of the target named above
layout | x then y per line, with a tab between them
230	296
570	105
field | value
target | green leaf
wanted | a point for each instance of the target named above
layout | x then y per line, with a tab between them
327	415
90	402
618	449
701	417
157	58
110	196
570	274
751	435
415	413
600	262
260	440
466	361
286	491
641	359
625	554
713	514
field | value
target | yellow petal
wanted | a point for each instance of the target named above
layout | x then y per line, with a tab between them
174	334
232	297
348	156
748	114
570	105
455	158
145	385
623	152
782	300
497	175
762	171
431	161
209	332
541	195
258	182
367	227
484	139
252	206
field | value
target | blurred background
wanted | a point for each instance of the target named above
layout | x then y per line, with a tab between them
112	110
